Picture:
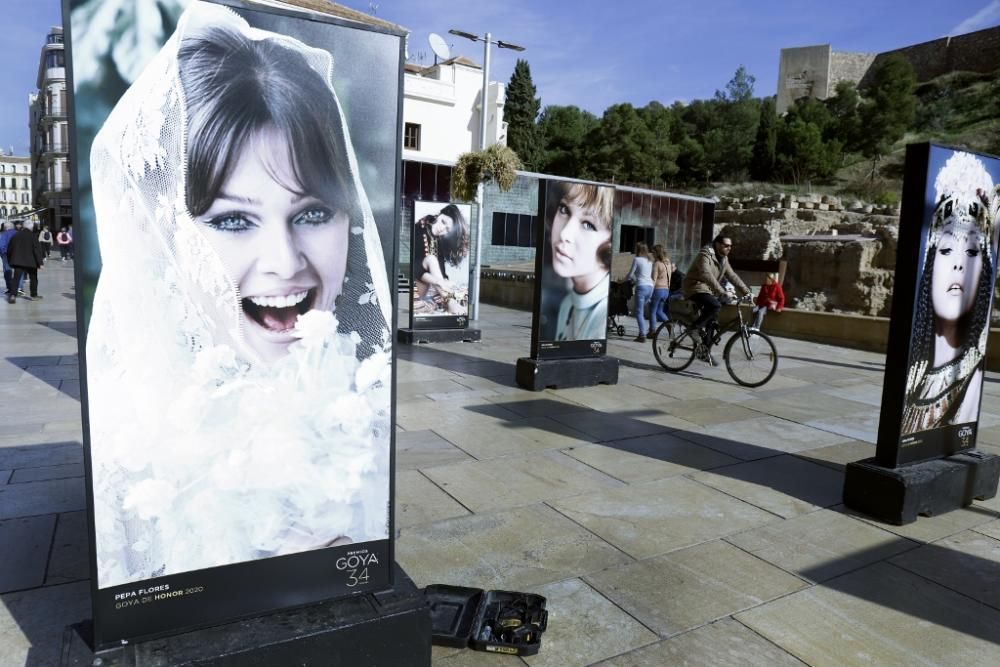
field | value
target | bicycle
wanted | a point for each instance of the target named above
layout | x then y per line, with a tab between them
751	363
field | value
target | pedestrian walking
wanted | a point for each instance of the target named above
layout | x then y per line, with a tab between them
24	254
6	234
45	238
65	242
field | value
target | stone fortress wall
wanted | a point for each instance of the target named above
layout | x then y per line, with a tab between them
815	71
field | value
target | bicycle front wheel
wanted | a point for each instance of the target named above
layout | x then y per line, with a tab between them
674	354
751	358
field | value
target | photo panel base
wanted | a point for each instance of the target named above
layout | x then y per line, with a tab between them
898	495
539	374
414	336
385	629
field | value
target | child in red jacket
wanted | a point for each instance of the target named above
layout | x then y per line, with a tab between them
771	297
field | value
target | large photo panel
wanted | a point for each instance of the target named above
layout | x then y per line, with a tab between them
237	183
440	265
573	268
955	258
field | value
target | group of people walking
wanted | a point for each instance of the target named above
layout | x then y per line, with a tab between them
24	247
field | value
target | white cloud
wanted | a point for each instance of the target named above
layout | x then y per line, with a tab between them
986	17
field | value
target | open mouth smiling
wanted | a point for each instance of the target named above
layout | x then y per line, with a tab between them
279	313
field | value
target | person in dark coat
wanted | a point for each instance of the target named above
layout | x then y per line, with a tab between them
25	256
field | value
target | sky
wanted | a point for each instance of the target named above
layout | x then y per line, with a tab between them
593	53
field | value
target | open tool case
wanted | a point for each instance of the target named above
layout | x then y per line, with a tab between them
493	621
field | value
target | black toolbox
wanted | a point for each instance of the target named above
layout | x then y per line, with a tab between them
492	621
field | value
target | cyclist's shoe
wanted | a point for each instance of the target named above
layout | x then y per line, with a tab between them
703	354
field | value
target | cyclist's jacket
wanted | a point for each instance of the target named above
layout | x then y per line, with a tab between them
706	273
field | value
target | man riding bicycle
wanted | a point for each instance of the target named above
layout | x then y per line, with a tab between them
702	286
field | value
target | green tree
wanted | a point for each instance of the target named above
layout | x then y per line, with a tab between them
762	161
801	153
888	108
729	142
563	131
520	111
617	147
845	121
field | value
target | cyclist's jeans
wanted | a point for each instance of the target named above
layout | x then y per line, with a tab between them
710	307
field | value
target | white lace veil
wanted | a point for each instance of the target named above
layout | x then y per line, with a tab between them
202	454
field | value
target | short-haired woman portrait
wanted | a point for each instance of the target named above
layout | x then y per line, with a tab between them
952	310
238	355
578	224
440	267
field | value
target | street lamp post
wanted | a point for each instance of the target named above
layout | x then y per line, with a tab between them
483	115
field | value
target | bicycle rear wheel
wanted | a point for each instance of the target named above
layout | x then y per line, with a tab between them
751	358
674	354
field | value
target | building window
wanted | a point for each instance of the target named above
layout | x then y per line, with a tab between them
24	197
3	183
24	183
632	234
54	59
514	229
411	136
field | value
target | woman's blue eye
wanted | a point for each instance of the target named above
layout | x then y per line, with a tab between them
589	226
972	252
230	222
563	209
944	251
317	215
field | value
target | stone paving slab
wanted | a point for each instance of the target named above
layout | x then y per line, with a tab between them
24	545
45	473
881	615
725	643
34	498
648	458
425	448
585	627
932	528
784	485
820	545
682	590
70	548
652	518
525	480
32	622
517	549
838	456
601	426
968	562
418	500
516	438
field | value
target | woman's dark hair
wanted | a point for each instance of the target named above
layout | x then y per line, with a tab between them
972	322
455	244
236	87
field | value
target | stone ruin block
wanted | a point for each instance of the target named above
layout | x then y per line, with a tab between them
755	241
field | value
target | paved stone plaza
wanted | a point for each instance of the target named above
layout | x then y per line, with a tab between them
668	519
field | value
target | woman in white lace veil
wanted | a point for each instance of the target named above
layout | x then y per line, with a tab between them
238	355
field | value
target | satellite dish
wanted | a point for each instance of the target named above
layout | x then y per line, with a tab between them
439	46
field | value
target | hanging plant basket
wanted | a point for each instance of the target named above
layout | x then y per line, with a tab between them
497	163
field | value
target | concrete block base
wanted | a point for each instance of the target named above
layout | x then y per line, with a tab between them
412	336
898	495
385	629
539	374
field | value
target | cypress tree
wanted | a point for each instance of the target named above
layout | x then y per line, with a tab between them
520	111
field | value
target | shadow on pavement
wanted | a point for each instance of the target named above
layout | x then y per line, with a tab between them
59	372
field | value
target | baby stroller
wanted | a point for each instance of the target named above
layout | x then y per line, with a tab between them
618	298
